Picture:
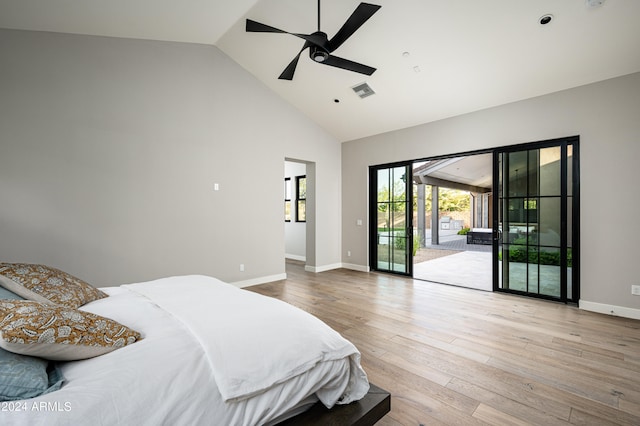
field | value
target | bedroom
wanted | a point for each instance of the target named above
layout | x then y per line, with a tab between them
111	148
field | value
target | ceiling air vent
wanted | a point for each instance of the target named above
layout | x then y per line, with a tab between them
363	90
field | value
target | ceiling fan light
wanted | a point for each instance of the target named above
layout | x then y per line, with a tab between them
319	55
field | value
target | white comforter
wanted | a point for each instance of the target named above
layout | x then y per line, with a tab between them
211	354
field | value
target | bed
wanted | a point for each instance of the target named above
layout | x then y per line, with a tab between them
206	352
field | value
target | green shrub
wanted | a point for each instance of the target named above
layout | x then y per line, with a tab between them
518	253
399	244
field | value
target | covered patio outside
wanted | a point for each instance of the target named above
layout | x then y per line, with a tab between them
443	255
454	262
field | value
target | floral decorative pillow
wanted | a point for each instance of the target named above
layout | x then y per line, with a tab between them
59	333
22	376
47	285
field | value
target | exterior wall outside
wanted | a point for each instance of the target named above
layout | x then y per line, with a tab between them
464	216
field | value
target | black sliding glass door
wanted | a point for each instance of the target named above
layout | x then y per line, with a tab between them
535	252
391	229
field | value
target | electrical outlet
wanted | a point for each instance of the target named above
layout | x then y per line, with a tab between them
635	290
242	267
348	253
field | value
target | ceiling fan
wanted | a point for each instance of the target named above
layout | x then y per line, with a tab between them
320	47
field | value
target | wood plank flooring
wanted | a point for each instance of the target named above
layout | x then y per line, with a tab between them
450	355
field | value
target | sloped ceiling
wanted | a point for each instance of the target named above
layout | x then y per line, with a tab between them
434	59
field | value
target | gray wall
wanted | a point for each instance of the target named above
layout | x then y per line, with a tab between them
606	115
110	148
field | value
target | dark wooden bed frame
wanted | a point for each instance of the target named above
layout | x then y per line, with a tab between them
365	412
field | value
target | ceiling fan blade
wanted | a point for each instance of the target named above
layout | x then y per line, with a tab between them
257	27
346	64
288	72
363	12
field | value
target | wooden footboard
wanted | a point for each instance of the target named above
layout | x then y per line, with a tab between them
365	412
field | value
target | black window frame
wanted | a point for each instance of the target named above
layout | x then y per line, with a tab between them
301	199
287	198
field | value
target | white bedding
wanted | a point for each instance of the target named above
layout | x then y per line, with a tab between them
211	354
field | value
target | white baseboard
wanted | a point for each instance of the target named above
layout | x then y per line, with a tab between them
295	257
315	269
618	311
351	266
322	268
354	267
260	280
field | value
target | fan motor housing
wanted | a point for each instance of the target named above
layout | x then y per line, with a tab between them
318	54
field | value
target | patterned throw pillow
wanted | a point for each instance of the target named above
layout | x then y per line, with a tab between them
47	285
59	333
23	377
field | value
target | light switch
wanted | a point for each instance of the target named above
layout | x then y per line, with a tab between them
216	187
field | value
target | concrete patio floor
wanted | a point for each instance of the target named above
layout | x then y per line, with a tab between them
471	269
454	262
460	264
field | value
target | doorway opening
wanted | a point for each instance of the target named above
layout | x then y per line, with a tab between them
300	212
295	229
505	219
452	199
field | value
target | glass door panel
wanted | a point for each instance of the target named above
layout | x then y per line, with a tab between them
516	174
550	276
550	177
535	220
569	170
390	219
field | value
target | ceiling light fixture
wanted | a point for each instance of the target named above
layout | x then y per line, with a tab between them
318	54
545	19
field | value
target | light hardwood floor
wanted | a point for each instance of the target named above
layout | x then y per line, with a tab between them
450	355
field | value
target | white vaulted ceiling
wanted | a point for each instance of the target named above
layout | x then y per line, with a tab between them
461	55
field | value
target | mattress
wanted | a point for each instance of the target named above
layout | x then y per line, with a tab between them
211	354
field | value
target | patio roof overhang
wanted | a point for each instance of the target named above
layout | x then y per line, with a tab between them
443	183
